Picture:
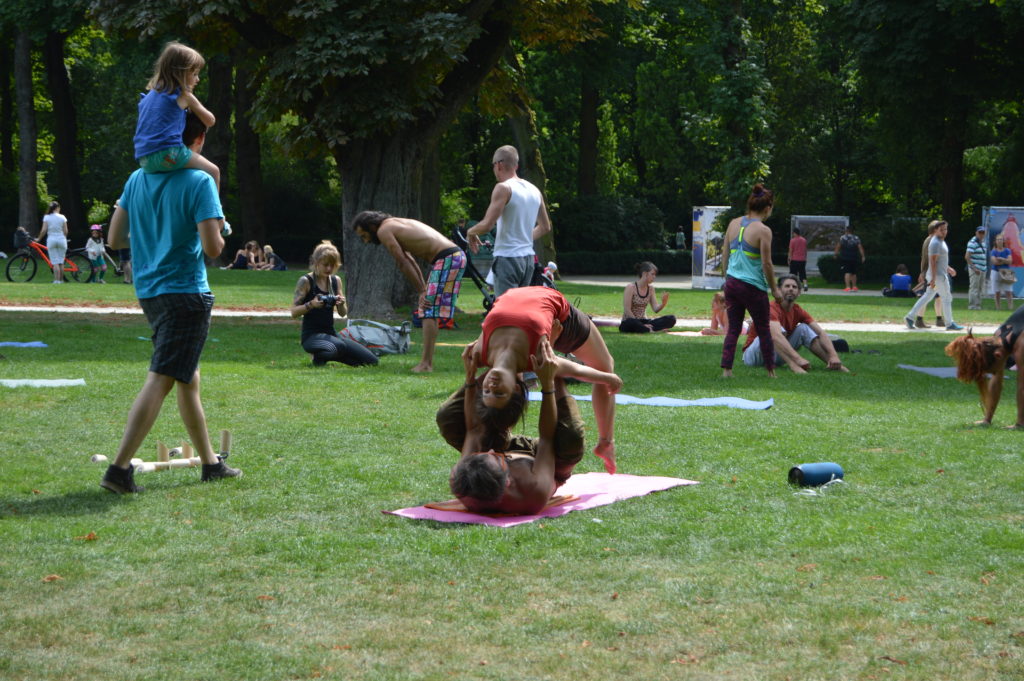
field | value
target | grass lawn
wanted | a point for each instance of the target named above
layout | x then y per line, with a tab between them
906	571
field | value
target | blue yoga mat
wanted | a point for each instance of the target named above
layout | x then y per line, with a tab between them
733	402
30	344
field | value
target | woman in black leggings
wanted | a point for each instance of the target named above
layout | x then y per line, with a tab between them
313	303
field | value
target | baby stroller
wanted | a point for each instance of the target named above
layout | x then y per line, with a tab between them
459	237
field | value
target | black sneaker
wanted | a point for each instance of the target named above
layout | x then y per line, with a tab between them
216	471
120	481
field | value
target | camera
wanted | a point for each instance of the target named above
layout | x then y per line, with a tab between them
327	299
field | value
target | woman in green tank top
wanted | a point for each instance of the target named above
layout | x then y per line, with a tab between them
749	276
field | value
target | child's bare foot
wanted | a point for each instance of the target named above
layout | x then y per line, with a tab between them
983	423
726	373
771	373
422	368
605	450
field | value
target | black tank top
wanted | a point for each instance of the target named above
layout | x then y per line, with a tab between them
1011	329
318	319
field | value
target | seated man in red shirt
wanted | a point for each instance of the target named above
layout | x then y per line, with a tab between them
792	328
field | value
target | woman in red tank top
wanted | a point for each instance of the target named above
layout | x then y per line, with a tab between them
511	331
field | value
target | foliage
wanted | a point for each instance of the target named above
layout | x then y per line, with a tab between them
608	223
876	269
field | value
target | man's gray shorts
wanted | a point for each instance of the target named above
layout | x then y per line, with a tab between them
802	336
509	273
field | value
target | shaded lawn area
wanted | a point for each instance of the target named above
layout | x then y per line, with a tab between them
911	569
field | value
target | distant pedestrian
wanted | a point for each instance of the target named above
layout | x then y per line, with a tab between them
96	250
1002	258
938	282
850	252
55	233
798	257
977	260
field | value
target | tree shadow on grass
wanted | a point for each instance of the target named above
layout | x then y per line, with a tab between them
77	503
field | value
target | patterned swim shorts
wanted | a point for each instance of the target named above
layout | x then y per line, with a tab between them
443	284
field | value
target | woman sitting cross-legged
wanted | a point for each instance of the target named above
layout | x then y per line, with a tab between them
984	360
317	295
637	297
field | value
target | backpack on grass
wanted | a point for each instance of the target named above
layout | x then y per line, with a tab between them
380	339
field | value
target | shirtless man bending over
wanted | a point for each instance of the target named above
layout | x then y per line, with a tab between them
407	239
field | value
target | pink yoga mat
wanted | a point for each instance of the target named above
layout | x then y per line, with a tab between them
592	490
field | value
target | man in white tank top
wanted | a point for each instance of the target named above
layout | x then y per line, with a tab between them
517	209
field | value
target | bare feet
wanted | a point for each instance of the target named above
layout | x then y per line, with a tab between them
605	449
983	423
1016	426
771	373
800	368
726	373
422	368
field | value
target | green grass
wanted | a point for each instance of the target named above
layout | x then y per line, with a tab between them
273	290
911	570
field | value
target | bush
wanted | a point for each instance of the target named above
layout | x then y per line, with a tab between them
608	223
876	270
623	262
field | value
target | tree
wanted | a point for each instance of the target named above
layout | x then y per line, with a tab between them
65	130
931	69
28	195
374	84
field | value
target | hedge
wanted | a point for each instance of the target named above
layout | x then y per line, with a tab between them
875	270
623	262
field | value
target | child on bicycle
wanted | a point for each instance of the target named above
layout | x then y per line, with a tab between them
96	250
158	144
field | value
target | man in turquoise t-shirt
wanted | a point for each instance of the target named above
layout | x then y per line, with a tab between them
173	219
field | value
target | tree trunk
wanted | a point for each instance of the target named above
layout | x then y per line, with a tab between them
247	161
28	195
951	171
6	102
586	172
65	130
219	101
382	173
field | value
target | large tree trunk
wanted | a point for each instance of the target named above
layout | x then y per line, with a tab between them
28	195
220	102
247	161
385	174
6	102
951	171
65	130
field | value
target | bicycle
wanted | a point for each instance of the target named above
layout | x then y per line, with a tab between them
22	266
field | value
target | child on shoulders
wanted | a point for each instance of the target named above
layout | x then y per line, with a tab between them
158	144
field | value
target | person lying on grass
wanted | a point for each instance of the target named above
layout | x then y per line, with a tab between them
488	429
983	360
520	482
520	318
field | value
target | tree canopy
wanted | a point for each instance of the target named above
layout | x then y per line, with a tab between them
327	107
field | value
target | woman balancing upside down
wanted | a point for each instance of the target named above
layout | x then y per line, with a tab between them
511	331
977	357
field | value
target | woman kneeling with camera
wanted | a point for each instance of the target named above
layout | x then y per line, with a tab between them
317	295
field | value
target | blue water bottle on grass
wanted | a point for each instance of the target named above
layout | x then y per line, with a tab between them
814	474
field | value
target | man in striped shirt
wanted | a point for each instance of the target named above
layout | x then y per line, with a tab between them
976	260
